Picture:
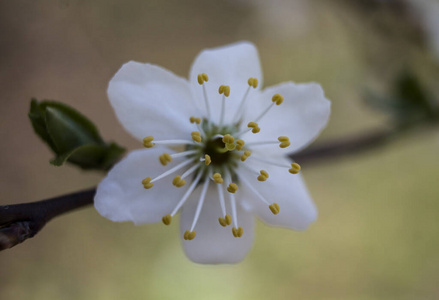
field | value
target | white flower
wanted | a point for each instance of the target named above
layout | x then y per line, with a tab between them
234	139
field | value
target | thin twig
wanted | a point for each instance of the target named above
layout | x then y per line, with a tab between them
22	221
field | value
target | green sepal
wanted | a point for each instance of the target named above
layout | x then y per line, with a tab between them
72	137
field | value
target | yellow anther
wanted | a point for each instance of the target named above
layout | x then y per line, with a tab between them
228	219
207	160
295	168
263	176
196	136
202	78
227	91
232	188
278	98
237	232
284	141
167	219
253	82
195	120
222	222
274	208
228	139
165	158
246	154
189	235
178	182
224	89
147	183
147	142
239	145
230	146
217	178
255	127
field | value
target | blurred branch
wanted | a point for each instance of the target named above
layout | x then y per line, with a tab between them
22	221
344	146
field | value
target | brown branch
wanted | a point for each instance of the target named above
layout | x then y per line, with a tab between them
22	221
344	146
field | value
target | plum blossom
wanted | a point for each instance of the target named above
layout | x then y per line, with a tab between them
217	151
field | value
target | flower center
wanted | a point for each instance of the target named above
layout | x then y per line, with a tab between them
215	148
218	153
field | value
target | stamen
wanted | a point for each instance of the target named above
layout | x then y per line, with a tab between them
277	99
147	184
240	144
295	168
227	220
217	178
200	204
274	208
196	136
207	159
236	230
170	171
252	126
195	120
178	181
167	219
284	142
232	188
187	194
252	82
247	183
225	90
165	158
189	235
202	78
147	142
263	176
228	139
246	154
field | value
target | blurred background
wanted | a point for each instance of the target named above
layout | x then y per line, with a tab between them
377	236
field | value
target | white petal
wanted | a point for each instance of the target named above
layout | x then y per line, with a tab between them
149	100
302	115
215	244
121	196
229	65
297	210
